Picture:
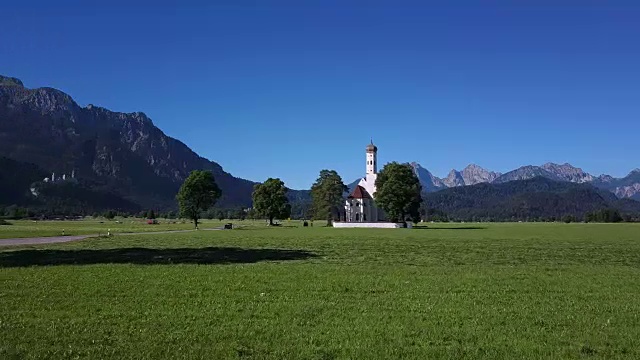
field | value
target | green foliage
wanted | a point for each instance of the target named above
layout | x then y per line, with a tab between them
109	214
604	216
537	199
239	214
327	195
198	193
398	192
270	200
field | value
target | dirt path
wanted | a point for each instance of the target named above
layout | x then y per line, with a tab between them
60	239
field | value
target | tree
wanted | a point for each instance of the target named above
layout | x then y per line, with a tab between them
327	194
251	214
198	193
240	214
398	191
109	214
270	200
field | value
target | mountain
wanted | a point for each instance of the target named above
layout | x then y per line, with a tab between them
474	174
525	173
538	197
113	152
470	175
454	179
15	179
567	172
626	187
428	181
21	184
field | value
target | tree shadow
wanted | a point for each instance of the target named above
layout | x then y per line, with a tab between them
451	228
146	256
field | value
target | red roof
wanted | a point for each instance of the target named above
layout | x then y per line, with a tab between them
359	193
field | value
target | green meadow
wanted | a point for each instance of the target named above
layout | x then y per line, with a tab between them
470	291
98	227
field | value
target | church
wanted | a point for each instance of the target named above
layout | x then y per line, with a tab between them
360	204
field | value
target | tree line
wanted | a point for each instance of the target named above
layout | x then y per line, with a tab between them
398	194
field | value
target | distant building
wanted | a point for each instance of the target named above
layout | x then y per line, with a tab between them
360	204
64	177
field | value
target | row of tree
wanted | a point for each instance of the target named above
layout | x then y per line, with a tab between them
398	195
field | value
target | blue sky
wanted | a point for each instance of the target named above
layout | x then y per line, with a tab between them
285	89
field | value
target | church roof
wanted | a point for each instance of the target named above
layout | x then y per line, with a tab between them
372	147
359	193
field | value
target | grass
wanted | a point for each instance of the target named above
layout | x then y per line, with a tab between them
31	228
454	291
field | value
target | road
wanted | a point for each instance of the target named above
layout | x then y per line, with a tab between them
60	239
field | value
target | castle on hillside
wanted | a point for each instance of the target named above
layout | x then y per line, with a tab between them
360	204
64	177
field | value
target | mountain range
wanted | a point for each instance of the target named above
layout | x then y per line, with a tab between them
535	199
53	151
626	187
121	154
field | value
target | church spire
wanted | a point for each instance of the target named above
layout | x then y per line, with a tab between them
372	158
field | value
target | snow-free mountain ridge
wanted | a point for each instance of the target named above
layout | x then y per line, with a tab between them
626	187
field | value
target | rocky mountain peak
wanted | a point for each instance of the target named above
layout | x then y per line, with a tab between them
10	81
473	167
568	172
428	181
454	179
474	174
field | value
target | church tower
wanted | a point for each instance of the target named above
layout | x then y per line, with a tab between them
372	158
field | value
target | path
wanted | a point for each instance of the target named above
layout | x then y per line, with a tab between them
60	239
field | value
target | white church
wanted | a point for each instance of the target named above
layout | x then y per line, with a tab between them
359	206
360	209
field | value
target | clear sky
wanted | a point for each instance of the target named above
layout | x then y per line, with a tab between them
285	89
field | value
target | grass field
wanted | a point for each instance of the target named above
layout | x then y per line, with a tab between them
499	291
30	228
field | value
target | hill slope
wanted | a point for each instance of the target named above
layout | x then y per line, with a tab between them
122	153
529	199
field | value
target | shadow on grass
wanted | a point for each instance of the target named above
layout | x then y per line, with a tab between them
146	256
451	228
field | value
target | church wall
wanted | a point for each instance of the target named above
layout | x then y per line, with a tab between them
358	210
379	225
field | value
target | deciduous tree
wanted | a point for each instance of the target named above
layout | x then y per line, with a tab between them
270	200
398	192
327	194
197	194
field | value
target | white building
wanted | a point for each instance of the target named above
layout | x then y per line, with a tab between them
360	205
